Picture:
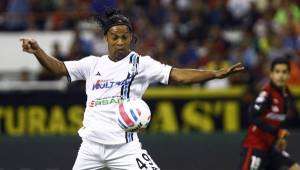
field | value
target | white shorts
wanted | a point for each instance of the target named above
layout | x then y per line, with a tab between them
128	156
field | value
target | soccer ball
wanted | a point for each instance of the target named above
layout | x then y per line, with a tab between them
133	114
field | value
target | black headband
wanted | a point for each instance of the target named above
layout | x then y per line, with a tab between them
116	20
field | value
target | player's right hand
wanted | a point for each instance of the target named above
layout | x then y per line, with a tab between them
29	45
283	133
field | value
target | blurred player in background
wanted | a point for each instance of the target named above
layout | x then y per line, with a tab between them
265	143
109	79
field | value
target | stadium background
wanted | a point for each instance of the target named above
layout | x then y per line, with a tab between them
199	127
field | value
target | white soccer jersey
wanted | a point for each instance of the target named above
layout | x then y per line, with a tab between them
106	82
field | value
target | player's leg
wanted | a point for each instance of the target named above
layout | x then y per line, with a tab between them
281	159
129	156
89	156
252	159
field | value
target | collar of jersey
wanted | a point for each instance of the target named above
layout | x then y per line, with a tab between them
122	60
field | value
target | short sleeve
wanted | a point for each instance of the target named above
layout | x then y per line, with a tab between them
78	70
155	71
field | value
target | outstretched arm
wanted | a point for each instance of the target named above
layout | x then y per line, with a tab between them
50	63
187	76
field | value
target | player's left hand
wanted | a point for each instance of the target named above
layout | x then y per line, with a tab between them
227	71
281	144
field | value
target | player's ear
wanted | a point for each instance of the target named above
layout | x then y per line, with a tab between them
131	36
133	40
271	74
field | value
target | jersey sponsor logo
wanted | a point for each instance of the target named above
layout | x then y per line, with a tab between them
108	84
98	74
276	116
105	101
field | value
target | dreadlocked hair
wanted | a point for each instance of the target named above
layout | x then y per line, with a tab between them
112	17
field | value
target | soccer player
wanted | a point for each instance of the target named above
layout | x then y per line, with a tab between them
265	143
111	78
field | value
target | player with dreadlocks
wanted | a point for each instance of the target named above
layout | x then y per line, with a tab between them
104	143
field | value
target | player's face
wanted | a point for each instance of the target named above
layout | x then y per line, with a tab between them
118	39
280	75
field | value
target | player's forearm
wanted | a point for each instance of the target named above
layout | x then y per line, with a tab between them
50	63
187	76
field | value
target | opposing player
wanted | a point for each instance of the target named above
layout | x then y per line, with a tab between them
265	143
109	79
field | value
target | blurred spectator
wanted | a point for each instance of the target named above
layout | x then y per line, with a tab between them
197	30
265	22
216	36
80	47
184	33
286	10
217	61
99	6
17	14
147	45
156	13
204	51
239	8
291	37
43	9
262	5
99	43
160	52
24	75
259	73
186	55
252	16
218	15
66	17
277	49
245	54
3	7
172	27
56	52
57	20
295	71
183	5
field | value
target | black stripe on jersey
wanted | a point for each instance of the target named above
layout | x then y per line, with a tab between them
131	59
125	86
128	90
128	75
133	76
124	96
131	136
68	76
126	137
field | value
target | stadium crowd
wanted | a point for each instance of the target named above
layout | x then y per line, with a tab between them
207	34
